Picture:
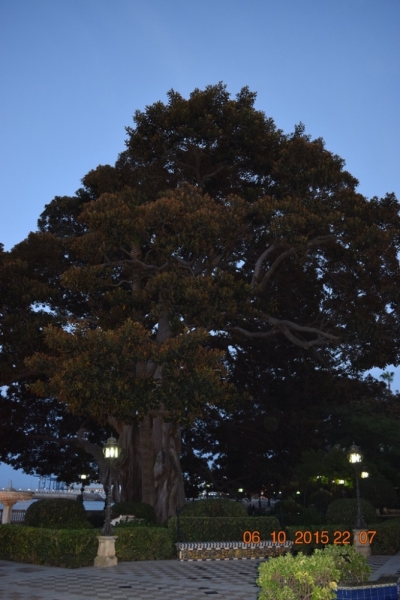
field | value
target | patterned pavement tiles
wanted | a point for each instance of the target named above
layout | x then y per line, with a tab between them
147	580
150	580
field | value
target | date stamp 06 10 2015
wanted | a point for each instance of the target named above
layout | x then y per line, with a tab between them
307	537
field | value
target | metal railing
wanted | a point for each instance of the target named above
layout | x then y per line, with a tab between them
17	516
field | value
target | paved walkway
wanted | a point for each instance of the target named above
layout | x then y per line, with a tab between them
147	580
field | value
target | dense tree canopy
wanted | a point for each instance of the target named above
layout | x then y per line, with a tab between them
216	246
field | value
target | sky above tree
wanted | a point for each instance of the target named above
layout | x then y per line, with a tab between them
74	73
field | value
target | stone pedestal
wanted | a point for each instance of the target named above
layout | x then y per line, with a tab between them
7	511
361	542
106	551
10	497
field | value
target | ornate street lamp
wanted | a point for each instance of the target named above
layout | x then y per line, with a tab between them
106	550
355	457
111	451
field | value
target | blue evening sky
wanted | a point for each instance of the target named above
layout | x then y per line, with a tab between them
72	74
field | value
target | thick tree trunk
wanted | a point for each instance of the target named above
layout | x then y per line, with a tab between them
128	470
149	469
147	456
168	480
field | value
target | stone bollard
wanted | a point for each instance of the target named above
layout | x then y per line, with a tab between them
106	551
361	542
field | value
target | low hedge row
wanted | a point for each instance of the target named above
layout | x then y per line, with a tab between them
70	548
221	529
144	543
77	548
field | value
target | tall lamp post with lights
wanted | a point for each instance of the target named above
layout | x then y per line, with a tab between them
106	551
361	542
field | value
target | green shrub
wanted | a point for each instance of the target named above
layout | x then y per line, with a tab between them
144	543
290	507
214	508
321	499
57	513
78	548
221	529
387	537
344	511
292	577
379	491
139	509
352	565
55	547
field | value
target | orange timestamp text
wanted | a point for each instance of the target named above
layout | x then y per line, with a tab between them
307	537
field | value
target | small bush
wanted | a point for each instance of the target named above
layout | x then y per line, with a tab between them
352	565
387	537
214	508
139	509
344	511
57	513
292	577
144	543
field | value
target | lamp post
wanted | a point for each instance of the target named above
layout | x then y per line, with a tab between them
83	479
355	457
111	451
106	551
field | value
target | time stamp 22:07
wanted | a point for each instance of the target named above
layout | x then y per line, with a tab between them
308	537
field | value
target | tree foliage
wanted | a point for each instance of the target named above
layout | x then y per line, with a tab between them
219	259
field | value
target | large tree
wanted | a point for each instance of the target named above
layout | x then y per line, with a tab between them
212	232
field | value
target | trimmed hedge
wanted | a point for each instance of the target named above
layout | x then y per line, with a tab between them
344	511
387	538
144	543
221	529
139	509
72	549
214	508
55	547
57	513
